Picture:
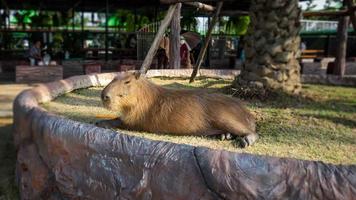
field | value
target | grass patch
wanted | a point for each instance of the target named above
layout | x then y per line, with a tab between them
318	125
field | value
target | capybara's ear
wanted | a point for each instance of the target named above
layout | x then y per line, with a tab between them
137	74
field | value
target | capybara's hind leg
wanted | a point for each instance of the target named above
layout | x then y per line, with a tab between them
246	136
226	136
223	135
248	140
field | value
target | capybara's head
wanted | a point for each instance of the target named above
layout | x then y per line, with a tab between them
121	92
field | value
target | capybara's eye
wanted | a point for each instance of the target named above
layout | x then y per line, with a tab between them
127	82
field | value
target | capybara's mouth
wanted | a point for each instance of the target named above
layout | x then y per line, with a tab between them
107	105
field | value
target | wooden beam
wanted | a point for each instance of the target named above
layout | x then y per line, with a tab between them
234	13
159	35
352	9
206	42
325	13
201	6
174	39
340	60
106	29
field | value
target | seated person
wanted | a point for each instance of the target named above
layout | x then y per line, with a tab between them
35	53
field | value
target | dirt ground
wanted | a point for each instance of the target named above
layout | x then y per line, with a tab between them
8	92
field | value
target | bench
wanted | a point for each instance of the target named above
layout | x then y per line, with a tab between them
312	53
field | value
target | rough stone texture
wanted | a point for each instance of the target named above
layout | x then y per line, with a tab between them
63	159
272	44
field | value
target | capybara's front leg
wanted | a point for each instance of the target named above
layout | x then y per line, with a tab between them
111	123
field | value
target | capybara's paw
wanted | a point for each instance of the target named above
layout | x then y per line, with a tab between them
243	143
103	124
248	140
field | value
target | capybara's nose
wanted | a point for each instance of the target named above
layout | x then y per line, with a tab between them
105	97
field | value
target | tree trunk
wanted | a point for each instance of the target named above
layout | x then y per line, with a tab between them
272	47
351	5
174	57
340	61
204	49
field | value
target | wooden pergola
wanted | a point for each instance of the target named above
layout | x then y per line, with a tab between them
213	8
174	13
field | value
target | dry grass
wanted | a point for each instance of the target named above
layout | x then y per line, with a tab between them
319	125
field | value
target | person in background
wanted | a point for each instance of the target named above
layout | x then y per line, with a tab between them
163	53
131	42
35	53
302	48
185	54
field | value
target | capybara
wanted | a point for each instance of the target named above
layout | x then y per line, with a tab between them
144	106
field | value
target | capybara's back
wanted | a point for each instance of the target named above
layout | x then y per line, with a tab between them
145	106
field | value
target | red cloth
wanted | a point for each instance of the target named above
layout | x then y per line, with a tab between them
184	53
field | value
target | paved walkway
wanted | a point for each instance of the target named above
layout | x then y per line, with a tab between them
8	92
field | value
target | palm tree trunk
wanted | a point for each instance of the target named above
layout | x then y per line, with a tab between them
272	47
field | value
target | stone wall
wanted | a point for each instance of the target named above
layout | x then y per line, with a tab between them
60	158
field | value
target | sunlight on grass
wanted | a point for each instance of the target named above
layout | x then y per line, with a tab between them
318	125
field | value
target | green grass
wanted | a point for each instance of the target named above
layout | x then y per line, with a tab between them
320	124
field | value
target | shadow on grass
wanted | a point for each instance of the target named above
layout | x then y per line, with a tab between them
337	120
315	101
81	97
302	134
8	188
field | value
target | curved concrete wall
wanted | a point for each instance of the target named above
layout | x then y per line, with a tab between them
63	159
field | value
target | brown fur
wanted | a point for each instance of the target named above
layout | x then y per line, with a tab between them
145	106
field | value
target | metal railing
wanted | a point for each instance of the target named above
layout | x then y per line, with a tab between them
318	25
145	37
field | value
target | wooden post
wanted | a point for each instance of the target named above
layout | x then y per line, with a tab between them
82	26
206	42
350	5
73	17
153	49
106	31
174	37
340	61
